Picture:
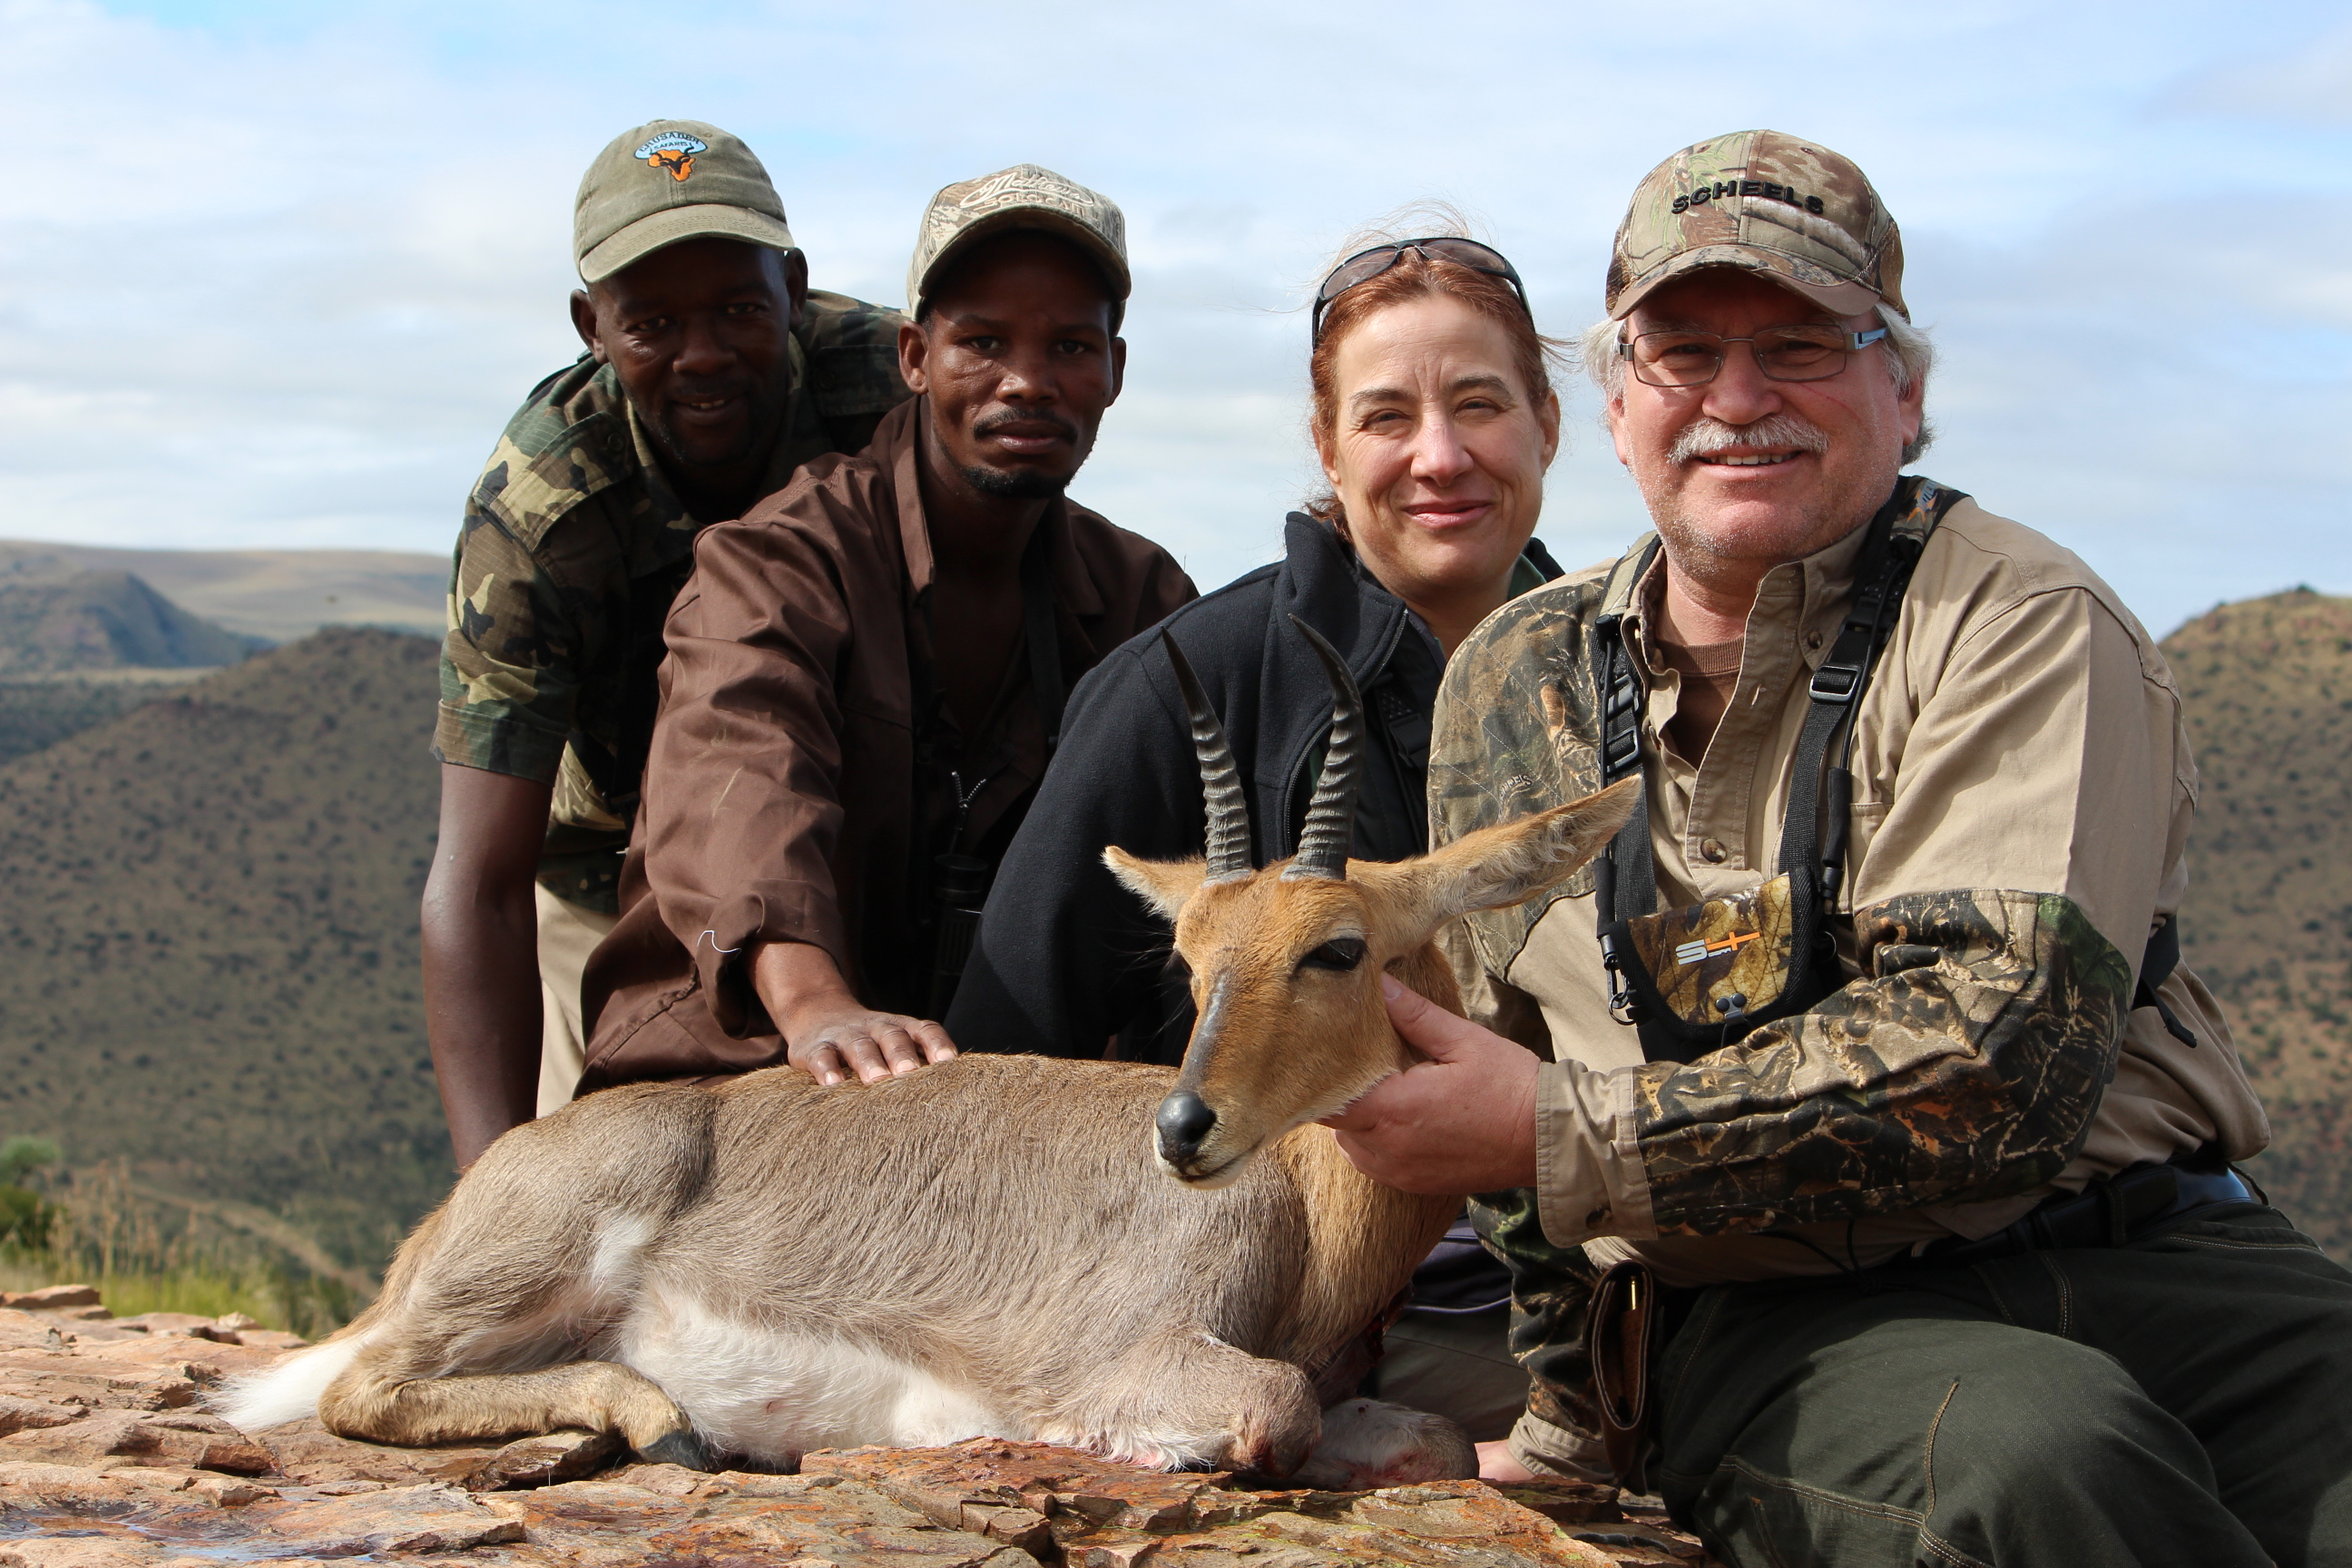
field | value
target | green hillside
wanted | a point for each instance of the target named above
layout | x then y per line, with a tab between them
2267	686
210	942
37	714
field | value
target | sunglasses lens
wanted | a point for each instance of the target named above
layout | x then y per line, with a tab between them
1469	252
1355	270
1371	263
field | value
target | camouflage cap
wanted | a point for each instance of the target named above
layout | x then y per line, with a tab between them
1022	197
667	181
1766	201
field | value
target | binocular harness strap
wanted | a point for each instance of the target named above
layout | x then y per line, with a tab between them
1814	860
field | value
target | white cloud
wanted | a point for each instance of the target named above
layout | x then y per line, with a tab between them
299	264
2307	85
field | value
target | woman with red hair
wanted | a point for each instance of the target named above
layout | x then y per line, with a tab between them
1434	420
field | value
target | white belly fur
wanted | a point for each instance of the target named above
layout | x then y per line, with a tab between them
774	1395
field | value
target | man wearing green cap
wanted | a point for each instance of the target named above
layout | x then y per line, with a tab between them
1866	1171
867	673
712	374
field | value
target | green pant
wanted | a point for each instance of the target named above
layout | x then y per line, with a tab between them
2186	1398
1454	1365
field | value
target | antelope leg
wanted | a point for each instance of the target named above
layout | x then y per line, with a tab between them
366	1401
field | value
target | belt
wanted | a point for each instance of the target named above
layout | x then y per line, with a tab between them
2110	1213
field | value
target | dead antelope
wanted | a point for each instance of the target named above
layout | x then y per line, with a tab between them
764	1267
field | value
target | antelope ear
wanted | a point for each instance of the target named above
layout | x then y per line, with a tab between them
1511	862
1165	885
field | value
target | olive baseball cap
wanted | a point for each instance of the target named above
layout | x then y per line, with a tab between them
1802	215
1022	197
670	179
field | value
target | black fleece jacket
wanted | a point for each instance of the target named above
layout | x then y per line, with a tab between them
1065	956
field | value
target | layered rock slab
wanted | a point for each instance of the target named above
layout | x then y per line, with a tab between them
1060	1505
109	1459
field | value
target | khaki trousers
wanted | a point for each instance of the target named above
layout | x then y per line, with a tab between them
567	935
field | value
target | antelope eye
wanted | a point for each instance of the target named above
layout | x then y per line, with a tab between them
1341	953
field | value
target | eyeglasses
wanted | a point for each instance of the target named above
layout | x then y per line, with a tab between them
1782	354
1367	265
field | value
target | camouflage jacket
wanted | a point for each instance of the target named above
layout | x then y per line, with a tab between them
2022	792
572	547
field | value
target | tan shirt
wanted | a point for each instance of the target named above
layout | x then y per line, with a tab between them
2021	732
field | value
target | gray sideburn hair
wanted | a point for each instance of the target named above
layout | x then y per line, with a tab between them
1912	356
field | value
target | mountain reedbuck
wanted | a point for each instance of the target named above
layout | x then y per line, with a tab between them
764	1267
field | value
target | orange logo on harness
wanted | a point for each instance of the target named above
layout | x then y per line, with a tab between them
673	153
1700	952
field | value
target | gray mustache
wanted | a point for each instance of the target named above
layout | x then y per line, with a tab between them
1704	435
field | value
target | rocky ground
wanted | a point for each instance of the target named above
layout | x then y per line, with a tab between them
109	1459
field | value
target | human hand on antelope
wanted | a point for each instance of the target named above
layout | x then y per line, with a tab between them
1461	1119
828	1033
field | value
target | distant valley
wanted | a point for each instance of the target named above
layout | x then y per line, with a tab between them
276	596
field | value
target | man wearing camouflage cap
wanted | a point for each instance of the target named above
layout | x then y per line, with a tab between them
712	373
1874	1198
867	673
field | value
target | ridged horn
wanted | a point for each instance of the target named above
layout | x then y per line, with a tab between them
1221	779
1331	815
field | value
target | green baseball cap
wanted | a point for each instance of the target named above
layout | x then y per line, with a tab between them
1763	200
670	179
1022	197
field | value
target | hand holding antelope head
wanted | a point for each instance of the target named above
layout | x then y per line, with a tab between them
1285	963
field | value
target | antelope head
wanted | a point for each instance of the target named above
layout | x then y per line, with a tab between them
1285	963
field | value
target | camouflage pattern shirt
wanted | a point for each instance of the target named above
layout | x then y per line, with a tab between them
573	548
2024	788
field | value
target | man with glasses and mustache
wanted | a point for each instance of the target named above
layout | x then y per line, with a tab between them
1866	1176
712	373
866	674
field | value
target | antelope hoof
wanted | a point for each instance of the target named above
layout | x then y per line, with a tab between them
1273	1444
678	1448
1369	1443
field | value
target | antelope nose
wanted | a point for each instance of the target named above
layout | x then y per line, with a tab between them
1183	1121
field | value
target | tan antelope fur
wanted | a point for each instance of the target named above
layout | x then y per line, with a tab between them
991	1246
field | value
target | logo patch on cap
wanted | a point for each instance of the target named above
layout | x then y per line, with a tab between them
1723	189
672	153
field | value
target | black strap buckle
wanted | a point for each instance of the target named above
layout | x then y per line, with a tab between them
1835	682
1624	1004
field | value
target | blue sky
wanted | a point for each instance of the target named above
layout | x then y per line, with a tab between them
275	273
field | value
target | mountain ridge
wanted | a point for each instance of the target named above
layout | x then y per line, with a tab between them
92	620
274	594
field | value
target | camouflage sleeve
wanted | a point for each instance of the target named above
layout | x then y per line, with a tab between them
509	659
852	349
1968	1060
1550	1288
1511	693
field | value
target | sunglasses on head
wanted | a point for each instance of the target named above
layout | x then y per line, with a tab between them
1367	265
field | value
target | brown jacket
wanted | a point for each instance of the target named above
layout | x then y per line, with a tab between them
797	785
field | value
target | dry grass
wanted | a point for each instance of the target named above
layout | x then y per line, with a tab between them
146	1256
